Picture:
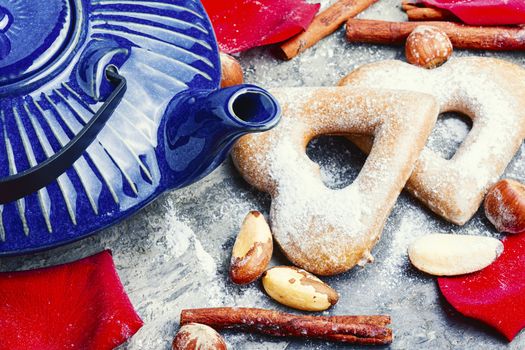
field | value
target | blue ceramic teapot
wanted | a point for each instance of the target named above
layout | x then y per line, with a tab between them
104	105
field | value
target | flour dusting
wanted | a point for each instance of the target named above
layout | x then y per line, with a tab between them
178	274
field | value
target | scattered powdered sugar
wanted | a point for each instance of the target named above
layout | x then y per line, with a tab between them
450	131
206	261
412	225
338	159
179	274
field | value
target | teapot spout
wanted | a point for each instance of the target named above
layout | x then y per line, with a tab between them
200	128
248	107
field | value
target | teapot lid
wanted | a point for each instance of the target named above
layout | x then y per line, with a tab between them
35	38
39	39
54	56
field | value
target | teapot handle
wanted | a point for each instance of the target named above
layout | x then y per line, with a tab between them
19	185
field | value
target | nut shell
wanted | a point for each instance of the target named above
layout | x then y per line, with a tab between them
195	336
252	250
298	289
505	206
428	47
231	71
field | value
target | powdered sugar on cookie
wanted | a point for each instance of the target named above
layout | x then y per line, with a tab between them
492	93
323	230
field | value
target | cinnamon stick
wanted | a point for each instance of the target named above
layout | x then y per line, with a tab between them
418	12
347	329
462	36
428	14
323	25
407	5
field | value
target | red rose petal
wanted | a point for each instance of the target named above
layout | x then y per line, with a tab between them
496	294
80	305
243	24
483	12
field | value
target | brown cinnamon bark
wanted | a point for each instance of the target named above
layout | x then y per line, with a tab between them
348	329
407	5
428	14
461	36
418	12
323	25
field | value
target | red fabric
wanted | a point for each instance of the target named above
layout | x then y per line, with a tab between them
483	12
80	305
243	24
496	294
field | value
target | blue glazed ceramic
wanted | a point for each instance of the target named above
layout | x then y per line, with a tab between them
104	105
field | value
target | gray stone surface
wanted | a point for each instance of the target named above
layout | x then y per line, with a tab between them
175	253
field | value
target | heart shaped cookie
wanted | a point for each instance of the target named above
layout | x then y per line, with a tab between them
492	93
322	230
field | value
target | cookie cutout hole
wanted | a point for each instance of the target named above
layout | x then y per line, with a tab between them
449	133
340	160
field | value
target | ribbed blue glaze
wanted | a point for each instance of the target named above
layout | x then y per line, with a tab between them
172	128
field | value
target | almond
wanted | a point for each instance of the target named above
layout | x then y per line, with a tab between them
298	289
195	336
451	255
252	250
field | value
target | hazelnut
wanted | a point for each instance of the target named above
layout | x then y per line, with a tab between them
231	71
428	47
505	206
195	336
